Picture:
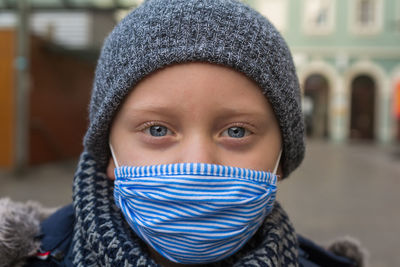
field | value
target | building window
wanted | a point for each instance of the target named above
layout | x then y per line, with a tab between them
319	17
366	16
275	11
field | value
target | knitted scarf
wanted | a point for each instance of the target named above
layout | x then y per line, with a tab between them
103	238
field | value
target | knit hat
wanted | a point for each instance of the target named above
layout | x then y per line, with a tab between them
227	32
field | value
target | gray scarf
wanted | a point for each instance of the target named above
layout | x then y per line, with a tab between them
103	238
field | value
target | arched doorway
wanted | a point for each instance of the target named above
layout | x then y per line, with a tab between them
316	99
362	107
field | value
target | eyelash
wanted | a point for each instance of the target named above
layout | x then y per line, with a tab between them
246	126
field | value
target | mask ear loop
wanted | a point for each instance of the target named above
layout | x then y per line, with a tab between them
277	162
113	155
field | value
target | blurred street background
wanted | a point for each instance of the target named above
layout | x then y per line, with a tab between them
347	56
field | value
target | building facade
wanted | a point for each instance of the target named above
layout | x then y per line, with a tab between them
48	54
347	54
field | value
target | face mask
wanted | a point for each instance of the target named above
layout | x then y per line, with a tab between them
194	212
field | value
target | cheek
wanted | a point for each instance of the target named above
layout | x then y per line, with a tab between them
259	159
262	156
263	162
141	156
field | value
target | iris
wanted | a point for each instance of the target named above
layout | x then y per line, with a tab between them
236	132
158	130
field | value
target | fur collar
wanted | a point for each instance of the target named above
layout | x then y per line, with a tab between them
19	225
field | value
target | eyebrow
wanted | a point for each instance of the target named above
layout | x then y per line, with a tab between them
252	116
152	110
224	113
241	111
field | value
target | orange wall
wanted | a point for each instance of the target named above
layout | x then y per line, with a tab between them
397	101
7	46
396	109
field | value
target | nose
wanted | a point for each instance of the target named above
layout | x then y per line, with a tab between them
198	149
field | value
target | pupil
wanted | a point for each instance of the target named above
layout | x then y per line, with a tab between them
158	130
236	132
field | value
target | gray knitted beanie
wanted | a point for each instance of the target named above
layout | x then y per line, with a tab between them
163	32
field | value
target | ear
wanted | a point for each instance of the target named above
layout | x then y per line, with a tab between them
110	169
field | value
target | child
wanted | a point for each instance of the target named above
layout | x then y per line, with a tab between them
198	101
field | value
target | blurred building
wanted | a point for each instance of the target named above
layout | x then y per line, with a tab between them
347	54
48	54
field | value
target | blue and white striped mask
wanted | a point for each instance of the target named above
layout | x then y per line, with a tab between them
194	212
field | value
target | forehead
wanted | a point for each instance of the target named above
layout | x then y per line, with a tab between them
200	86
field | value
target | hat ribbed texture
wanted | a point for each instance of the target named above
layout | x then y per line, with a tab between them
163	32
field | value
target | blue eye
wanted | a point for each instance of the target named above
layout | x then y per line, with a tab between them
237	132
158	130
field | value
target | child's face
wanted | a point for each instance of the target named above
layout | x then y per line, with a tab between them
196	112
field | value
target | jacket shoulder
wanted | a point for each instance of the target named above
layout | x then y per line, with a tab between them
342	253
55	236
